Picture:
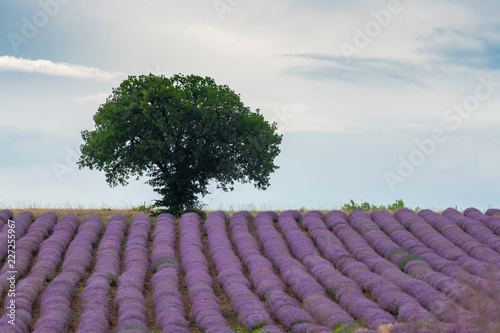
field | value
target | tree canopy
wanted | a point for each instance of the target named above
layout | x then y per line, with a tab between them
181	132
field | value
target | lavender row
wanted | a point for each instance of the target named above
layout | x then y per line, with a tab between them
444	247
493	212
129	299
408	243
267	285
312	294
491	222
346	291
459	237
26	247
246	304
167	299
49	256
5	215
94	298
419	269
22	222
380	286
55	301
205	307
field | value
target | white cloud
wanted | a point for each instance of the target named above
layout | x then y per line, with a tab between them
47	67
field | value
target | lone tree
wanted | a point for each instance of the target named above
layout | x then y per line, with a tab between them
182	132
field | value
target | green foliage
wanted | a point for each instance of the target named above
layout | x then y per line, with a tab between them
257	328
182	132
339	328
143	208
365	206
398	204
160	261
353	206
393	252
402	263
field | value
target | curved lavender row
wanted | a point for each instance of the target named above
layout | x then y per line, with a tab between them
246	304
389	296
459	237
445	248
267	285
167	299
26	247
474	228
129	299
408	243
312	294
22	223
205	306
94	298
417	267
492	212
492	223
346	291
55	301
50	254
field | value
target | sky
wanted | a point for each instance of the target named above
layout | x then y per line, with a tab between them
376	100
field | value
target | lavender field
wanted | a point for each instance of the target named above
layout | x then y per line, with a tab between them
267	272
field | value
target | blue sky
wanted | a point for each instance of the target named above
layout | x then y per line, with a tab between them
377	100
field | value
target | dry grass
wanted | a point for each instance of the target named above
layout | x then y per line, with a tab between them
384	328
104	214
